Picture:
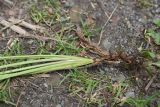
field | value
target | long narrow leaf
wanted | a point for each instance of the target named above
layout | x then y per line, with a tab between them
30	62
44	64
37	56
27	68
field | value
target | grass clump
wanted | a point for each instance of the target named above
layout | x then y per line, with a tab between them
151	65
152	54
145	3
143	102
95	89
49	12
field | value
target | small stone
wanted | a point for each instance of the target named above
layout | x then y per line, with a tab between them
102	72
68	4
75	15
11	13
130	94
121	77
141	20
62	103
30	42
58	105
45	84
50	11
157	10
106	44
96	15
122	2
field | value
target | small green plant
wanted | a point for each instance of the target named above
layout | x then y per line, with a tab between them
150	55
89	30
15	49
4	95
142	102
53	3
153	32
154	35
83	86
157	22
67	45
145	3
151	63
38	16
49	13
95	89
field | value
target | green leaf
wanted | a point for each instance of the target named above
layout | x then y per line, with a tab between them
154	35
148	54
156	64
157	22
39	64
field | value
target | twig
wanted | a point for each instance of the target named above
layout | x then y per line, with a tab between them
7	2
92	4
13	27
19	99
9	25
150	82
27	25
102	31
33	84
24	34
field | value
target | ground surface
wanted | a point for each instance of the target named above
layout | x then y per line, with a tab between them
123	32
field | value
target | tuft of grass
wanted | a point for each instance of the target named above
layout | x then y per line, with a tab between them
15	49
152	65
66	41
154	35
49	12
62	47
95	89
143	102
4	95
145	3
151	54
157	22
38	16
84	87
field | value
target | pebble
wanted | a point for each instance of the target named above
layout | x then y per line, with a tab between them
11	13
157	10
121	77
58	105
96	15
107	45
68	4
130	94
45	85
102	72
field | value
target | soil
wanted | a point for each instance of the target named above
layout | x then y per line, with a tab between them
123	32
